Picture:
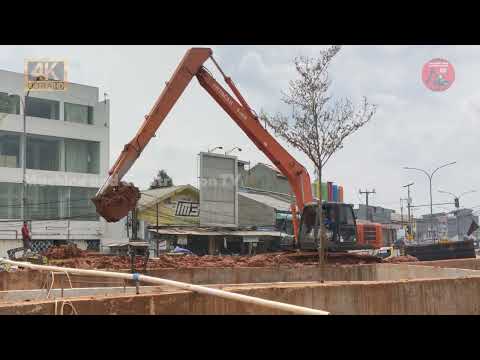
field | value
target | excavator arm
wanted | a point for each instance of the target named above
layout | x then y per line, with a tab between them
115	199
186	70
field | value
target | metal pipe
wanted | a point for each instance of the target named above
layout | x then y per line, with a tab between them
275	305
24	158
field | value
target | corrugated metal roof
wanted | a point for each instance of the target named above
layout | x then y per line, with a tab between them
155	195
132	243
208	232
273	202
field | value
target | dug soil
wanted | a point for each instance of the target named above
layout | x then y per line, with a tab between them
71	256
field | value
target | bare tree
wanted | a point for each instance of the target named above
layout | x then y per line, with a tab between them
161	180
317	125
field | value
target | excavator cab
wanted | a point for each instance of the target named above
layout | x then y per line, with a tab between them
340	227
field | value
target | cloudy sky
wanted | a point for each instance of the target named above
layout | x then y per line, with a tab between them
413	126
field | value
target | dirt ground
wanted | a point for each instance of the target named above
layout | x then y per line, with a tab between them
71	256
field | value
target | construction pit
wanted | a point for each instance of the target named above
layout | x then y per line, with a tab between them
338	288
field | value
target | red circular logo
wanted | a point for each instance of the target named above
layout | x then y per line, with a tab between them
438	74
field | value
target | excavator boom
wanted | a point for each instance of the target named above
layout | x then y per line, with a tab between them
115	199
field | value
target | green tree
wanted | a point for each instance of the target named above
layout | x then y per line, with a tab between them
317	125
161	180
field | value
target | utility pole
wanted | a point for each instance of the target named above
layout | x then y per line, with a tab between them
401	210
367	193
401	214
409	203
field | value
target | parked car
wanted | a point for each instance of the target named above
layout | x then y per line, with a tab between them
384	252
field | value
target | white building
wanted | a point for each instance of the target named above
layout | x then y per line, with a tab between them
67	159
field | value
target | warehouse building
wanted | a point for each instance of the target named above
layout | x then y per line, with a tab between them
169	217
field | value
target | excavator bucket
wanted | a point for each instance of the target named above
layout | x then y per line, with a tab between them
116	201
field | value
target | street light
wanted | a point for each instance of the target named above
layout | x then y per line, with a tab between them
457	205
456	197
215	148
430	180
231	150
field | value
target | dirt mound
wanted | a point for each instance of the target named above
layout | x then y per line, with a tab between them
400	259
288	259
63	252
175	262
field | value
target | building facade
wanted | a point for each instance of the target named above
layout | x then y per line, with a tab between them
266	177
169	217
446	225
376	214
66	147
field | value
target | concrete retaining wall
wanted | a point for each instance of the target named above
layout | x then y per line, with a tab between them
472	264
410	297
25	279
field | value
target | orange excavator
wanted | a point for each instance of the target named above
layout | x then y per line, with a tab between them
116	198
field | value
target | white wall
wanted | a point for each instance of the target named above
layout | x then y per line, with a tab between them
114	233
13	83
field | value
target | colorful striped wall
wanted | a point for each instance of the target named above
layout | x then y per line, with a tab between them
330	191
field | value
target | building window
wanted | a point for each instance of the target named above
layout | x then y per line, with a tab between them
42	108
43	202
9	150
81	207
82	114
10	200
53	202
9	104
82	156
43	153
